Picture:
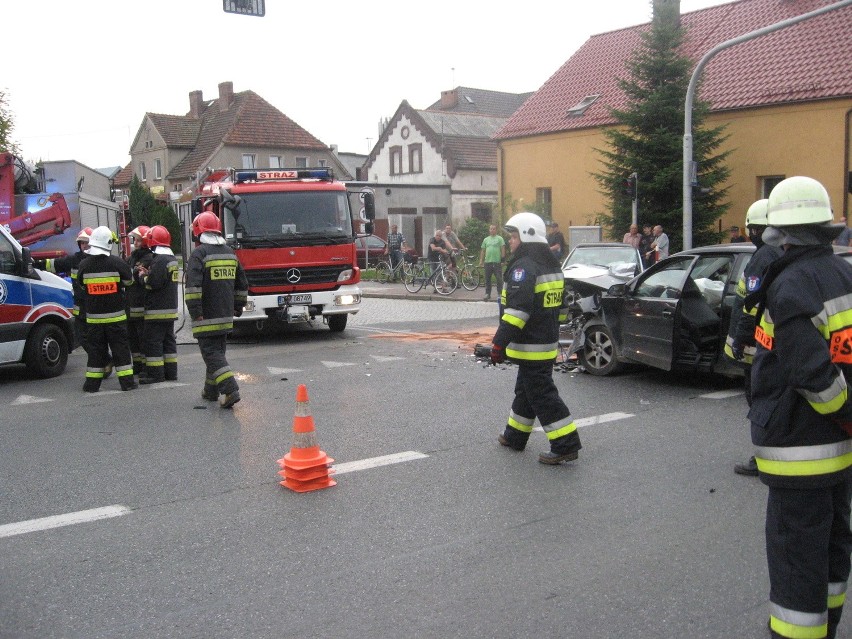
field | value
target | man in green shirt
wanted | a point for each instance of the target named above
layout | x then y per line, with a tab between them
492	254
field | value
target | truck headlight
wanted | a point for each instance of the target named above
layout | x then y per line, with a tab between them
346	300
346	275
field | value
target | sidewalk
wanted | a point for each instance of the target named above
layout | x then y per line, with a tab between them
396	290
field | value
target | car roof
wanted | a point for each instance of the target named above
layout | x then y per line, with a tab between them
737	247
599	244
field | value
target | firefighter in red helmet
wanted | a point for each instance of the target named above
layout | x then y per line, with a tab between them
160	281
140	259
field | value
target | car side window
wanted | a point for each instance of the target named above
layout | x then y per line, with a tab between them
667	282
711	274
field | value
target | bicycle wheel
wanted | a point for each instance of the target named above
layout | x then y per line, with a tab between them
383	272
415	279
446	282
470	277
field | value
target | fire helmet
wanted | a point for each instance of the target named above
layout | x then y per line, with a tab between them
799	200
756	214
530	228
100	241
84	234
158	236
205	223
140	232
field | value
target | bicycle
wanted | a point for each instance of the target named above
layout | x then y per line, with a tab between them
443	279
469	273
384	271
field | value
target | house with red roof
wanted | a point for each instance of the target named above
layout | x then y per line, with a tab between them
785	99
438	165
239	130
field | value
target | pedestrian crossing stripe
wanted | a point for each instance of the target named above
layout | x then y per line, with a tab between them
29	399
598	419
337	364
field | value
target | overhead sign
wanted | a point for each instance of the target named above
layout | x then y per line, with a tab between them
245	7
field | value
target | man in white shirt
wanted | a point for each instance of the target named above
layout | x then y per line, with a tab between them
660	244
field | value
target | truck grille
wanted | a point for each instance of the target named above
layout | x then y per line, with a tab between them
278	276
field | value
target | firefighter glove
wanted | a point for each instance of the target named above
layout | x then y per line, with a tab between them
238	311
498	355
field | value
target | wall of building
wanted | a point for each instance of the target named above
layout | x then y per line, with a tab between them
797	139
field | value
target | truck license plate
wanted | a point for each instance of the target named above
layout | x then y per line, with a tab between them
300	298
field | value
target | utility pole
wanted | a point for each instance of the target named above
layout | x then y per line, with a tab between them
690	171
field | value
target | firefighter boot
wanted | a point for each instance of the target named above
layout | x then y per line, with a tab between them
230	399
562	449
171	368
513	438
210	393
747	468
92	385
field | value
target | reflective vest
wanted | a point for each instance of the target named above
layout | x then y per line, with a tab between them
800	372
216	286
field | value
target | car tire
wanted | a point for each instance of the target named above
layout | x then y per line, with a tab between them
598	355
336	323
46	352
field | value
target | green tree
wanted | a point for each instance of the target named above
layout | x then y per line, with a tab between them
472	232
648	140
7	125
145	210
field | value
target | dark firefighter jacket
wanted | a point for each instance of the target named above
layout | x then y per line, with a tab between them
216	289
803	359
741	328
103	280
136	294
69	264
532	310
161	289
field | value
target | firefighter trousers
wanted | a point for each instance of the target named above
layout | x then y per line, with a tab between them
536	396
136	336
808	545
160	350
102	339
220	378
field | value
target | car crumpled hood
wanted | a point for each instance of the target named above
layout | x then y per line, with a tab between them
600	277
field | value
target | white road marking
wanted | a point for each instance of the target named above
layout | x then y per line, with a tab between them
57	521
375	462
29	399
282	371
384	358
598	419
723	394
337	364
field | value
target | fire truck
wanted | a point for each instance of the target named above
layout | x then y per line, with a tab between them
293	231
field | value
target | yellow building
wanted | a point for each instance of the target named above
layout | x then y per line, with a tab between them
785	98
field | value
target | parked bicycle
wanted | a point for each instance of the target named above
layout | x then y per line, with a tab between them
443	279
469	273
385	273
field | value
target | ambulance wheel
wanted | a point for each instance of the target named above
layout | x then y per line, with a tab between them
46	353
337	322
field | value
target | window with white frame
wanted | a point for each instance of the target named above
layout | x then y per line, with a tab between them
275	162
158	169
249	160
301	162
143	174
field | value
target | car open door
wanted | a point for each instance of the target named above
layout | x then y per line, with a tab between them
649	316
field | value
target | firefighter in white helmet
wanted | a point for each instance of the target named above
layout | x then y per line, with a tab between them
801	417
739	344
529	335
103	279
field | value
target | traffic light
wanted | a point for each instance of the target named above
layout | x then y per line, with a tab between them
629	186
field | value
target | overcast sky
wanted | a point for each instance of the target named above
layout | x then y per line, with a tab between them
81	74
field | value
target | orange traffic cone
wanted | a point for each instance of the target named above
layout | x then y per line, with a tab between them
305	467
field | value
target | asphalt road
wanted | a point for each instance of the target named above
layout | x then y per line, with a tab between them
648	534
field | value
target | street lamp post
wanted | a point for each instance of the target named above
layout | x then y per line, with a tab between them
690	172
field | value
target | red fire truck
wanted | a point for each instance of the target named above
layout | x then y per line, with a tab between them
294	232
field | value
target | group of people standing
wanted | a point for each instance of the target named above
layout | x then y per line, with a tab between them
652	242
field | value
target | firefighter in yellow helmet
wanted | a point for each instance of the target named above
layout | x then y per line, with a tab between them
801	417
529	335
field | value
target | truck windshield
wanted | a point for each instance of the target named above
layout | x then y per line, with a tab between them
295	215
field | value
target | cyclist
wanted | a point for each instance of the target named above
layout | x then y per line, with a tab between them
394	248
439	250
453	242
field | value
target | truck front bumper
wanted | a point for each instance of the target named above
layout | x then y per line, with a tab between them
346	299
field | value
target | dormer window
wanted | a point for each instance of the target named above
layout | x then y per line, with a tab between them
580	108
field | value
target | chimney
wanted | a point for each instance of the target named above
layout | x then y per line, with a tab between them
666	11
195	102
449	99
226	95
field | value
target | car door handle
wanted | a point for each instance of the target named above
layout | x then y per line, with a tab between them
668	313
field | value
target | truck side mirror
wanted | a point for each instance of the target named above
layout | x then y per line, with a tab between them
368	228
369	207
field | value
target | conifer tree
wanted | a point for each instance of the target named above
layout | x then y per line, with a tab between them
648	140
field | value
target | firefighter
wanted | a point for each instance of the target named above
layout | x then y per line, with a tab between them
103	279
139	259
69	264
740	345
216	291
801	417
529	335
160	280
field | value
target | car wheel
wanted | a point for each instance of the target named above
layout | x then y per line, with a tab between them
46	351
598	354
336	323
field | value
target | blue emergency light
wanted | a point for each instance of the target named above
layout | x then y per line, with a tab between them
271	175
